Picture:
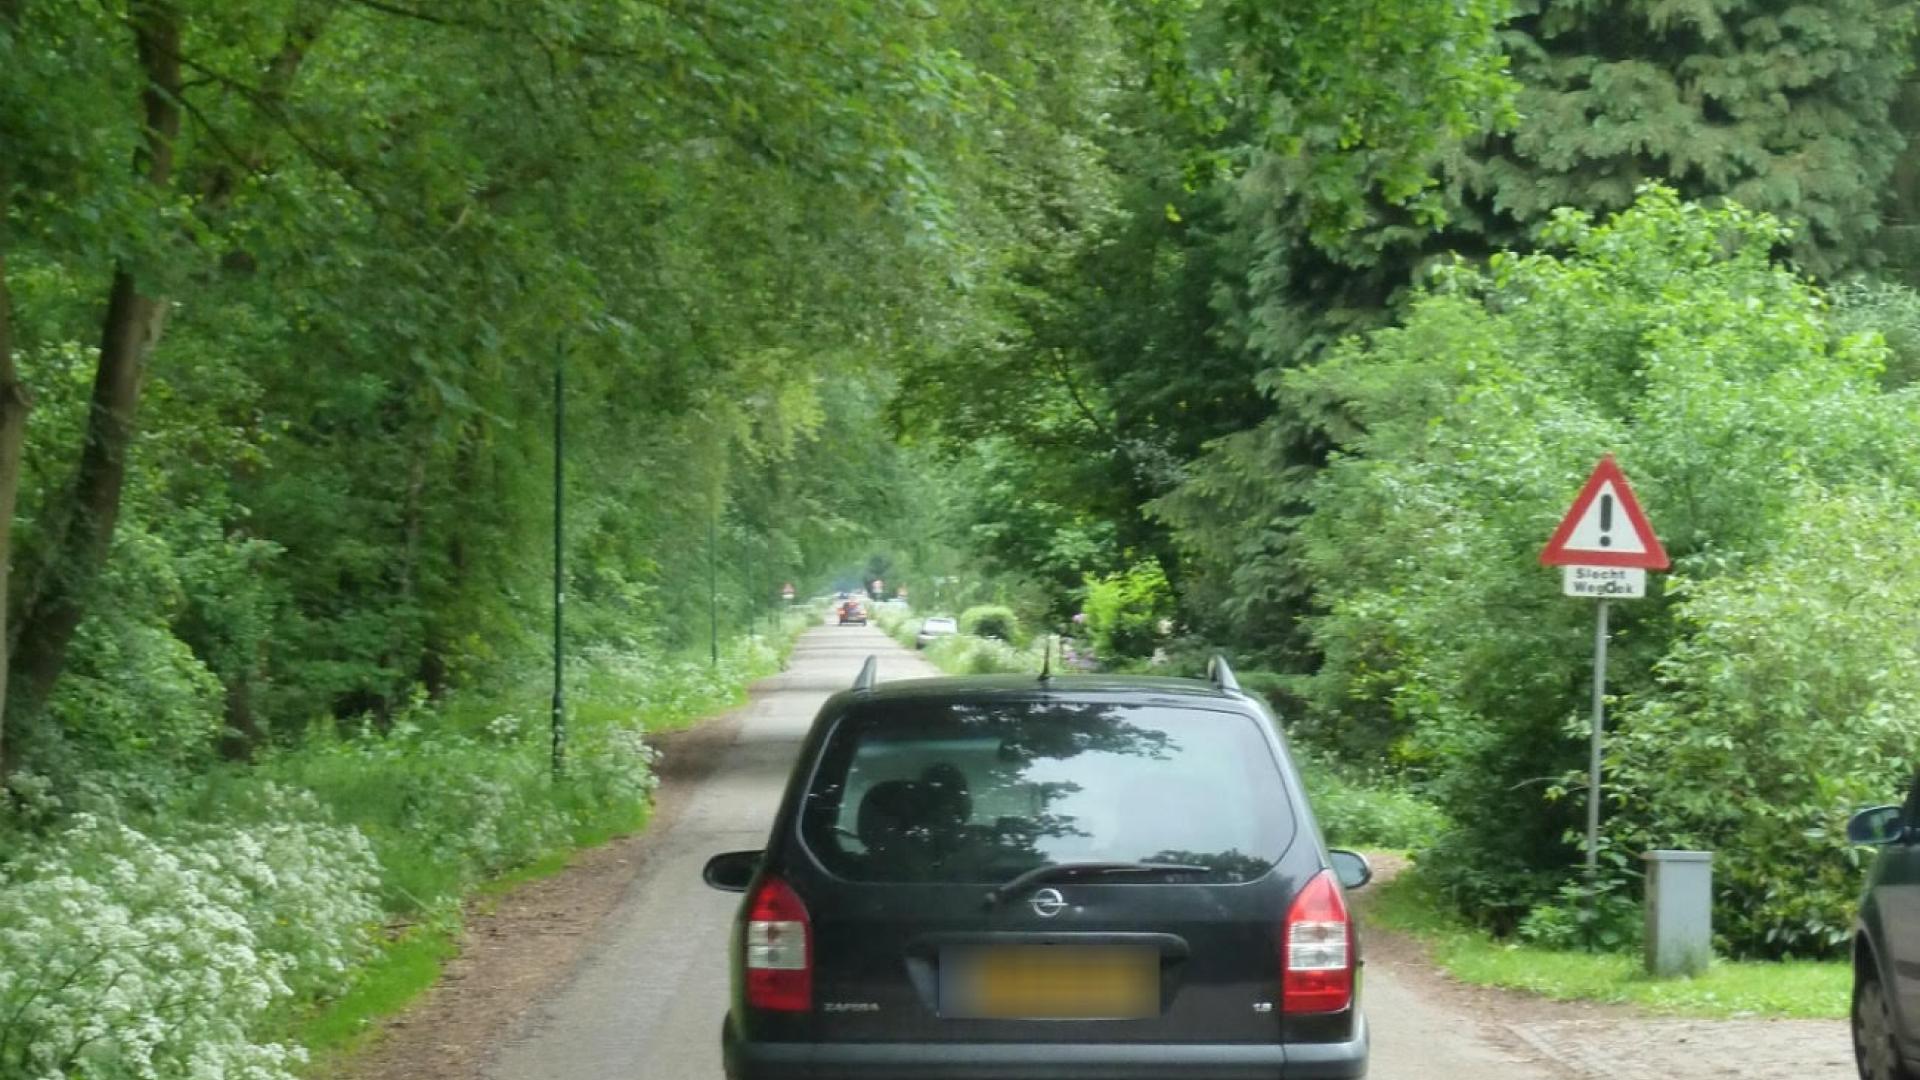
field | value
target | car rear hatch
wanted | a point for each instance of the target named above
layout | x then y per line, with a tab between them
1046	870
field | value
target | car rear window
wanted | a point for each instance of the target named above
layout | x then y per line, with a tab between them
925	792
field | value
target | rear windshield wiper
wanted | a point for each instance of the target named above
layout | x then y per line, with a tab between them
1051	871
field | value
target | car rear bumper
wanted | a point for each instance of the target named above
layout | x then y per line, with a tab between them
1046	1061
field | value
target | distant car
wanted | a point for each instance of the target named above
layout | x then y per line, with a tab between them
853	613
1049	878
933	629
1886	944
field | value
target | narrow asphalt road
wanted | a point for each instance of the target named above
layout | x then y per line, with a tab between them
647	1000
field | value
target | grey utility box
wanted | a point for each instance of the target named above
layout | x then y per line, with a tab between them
1679	911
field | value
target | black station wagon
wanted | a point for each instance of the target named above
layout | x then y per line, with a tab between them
1024	878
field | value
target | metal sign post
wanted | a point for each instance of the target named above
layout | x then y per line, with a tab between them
1606	547
1599	724
559	719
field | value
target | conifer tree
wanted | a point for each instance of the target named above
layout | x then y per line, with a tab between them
1781	105
1784	106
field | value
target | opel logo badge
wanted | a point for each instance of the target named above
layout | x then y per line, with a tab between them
1047	903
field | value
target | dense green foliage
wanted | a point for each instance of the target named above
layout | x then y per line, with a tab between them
286	294
1125	611
374	259
1173	391
991	621
1127	413
286	286
1358	810
1774	462
965	654
1782	107
175	929
1041	308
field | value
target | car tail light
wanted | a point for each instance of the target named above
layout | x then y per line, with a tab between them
1316	950
779	949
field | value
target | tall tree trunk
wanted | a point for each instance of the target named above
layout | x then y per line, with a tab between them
243	734
13	425
13	428
132	326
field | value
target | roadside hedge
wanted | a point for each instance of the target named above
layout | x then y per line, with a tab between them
991	621
1761	691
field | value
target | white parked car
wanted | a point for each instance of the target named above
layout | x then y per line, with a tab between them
934	628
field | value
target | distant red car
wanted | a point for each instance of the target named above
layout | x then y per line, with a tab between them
853	612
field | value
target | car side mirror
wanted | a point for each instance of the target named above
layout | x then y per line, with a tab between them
1880	825
732	871
1351	868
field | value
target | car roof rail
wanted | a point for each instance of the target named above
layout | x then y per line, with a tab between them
864	681
1220	675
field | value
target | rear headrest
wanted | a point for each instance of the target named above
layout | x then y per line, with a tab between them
931	810
947	796
888	811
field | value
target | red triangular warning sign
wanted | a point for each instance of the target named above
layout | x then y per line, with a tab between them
1605	527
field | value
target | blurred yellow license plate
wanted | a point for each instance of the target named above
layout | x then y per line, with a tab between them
1050	982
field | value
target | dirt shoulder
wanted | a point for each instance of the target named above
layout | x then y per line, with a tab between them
516	948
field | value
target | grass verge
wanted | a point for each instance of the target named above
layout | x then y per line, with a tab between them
406	966
409	960
1730	988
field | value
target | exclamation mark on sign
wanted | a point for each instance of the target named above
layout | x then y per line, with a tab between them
1606	520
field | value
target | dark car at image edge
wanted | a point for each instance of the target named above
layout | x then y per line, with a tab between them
1060	878
1885	1013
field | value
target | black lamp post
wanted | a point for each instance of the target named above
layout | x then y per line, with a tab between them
559	555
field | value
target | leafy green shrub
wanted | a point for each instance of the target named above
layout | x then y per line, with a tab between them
447	806
900	624
1124	611
1788	704
636	687
1757	688
1375	811
1612	920
964	654
134	695
1280	690
991	621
